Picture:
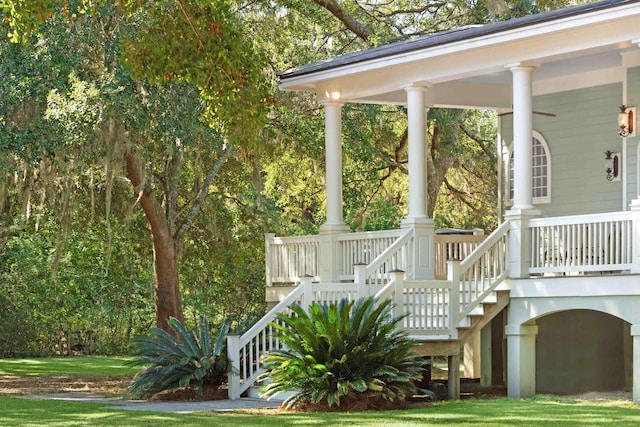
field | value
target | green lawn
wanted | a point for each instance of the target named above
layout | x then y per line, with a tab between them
502	412
68	366
538	411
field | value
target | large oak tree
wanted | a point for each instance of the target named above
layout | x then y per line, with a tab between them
175	86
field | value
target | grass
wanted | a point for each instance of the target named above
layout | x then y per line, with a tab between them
537	411
494	413
69	366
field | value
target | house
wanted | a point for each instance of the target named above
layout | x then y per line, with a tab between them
550	301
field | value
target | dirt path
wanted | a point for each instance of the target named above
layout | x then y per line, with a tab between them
108	385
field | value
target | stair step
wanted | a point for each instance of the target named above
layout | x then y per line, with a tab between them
471	325
478	311
492	298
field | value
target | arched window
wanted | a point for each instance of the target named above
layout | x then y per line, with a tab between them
541	163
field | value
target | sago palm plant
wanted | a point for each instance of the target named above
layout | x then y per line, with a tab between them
342	348
190	359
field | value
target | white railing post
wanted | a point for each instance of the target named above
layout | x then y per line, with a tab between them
233	354
520	241
330	252
360	279
421	257
398	293
635	236
306	282
268	257
453	276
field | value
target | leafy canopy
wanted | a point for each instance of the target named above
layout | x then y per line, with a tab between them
203	42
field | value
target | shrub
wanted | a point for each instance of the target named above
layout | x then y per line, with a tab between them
342	348
188	360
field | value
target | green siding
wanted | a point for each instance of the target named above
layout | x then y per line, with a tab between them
583	129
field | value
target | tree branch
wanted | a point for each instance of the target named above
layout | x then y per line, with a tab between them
193	28
417	10
462	196
355	26
202	194
478	141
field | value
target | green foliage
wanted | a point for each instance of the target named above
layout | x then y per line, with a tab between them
107	293
468	197
342	349
68	107
201	42
190	359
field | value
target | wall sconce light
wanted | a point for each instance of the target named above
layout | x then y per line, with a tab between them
626	119
612	165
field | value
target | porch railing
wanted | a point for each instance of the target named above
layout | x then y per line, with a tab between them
425	304
452	246
582	243
365	247
379	271
483	270
432	307
288	258
435	308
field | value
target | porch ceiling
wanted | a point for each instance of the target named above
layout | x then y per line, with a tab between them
473	72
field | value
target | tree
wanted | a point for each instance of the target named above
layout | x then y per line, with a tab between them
192	85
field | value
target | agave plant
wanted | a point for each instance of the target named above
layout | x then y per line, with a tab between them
190	359
341	348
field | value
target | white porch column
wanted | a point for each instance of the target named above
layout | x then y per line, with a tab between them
522	137
635	333
330	249
422	261
333	162
416	115
521	360
522	209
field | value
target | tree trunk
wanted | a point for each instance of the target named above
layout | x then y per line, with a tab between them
165	271
168	302
438	163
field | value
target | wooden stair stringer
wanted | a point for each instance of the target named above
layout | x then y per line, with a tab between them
490	310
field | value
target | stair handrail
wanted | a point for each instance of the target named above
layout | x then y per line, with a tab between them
492	242
386	292
385	255
238	383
